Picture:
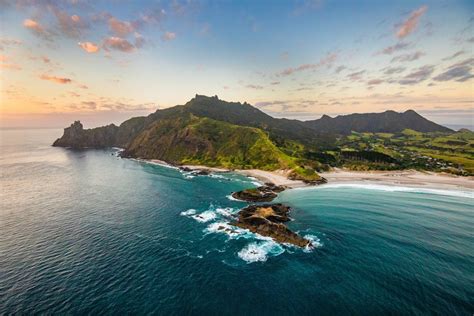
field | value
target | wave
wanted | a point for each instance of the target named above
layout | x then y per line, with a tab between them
191	211
205	216
392	188
226	211
225	228
315	243
260	251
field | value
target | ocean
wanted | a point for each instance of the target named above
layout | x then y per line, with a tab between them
86	232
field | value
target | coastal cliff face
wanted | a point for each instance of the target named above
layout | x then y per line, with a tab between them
75	136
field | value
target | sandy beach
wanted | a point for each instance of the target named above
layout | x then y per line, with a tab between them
410	178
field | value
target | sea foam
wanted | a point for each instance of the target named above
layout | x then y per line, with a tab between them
255	252
188	212
392	188
205	216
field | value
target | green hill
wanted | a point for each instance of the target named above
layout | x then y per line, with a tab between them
208	131
203	141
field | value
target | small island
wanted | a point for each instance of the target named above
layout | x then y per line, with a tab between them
264	193
267	220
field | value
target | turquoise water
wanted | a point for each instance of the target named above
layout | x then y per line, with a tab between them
85	232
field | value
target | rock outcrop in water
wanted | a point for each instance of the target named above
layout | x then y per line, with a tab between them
268	220
265	193
75	136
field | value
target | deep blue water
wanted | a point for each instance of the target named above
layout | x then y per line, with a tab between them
85	232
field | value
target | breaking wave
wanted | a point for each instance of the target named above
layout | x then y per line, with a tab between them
393	188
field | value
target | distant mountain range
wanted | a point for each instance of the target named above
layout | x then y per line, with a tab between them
386	122
214	132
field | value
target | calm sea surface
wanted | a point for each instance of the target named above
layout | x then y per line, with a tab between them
85	232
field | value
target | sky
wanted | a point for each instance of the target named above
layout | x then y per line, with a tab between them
105	61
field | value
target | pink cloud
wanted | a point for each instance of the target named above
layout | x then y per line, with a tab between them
69	25
37	29
119	44
327	61
168	36
76	18
5	65
120	28
89	47
411	23
374	82
55	79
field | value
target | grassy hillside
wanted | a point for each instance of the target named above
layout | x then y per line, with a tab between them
190	139
212	132
449	152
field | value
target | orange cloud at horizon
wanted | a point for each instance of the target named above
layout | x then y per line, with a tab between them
55	79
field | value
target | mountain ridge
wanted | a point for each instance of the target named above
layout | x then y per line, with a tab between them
212	132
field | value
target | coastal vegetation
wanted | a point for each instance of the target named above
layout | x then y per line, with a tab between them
211	132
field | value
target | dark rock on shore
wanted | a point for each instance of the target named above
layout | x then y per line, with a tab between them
267	220
196	172
265	193
316	182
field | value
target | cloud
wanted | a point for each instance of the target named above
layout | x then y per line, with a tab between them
4	64
456	54
394	48
9	42
306	5
410	24
327	61
375	82
408	57
139	40
459	72
119	44
89	47
339	69
465	62
154	16
55	79
168	36
356	75
418	75
69	25
37	29
252	86
91	105
121	28
393	70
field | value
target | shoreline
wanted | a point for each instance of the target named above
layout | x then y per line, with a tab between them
406	178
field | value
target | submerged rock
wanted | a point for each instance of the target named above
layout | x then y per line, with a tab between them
265	193
267	220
